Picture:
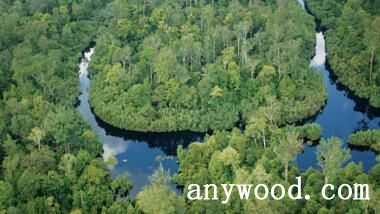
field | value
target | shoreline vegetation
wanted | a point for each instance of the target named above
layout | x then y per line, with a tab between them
50	158
153	58
204	69
354	52
353	44
367	139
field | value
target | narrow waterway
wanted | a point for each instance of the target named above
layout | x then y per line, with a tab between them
343	114
139	154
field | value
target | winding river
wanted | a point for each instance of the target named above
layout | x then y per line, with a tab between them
139	154
343	114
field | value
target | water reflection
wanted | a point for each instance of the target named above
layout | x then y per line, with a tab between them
138	154
302	3
343	114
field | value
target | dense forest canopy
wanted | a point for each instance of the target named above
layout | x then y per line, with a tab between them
200	66
353	43
238	157
50	159
165	65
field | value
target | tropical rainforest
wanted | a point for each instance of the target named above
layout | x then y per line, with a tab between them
167	65
204	65
353	42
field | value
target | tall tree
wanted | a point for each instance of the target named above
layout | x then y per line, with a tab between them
287	148
373	38
158	197
331	156
37	135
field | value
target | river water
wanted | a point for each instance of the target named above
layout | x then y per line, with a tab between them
139	154
343	114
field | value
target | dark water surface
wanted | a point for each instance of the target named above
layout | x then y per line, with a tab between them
139	154
343	114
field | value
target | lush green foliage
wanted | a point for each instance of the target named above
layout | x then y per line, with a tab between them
367	139
310	132
50	159
330	157
158	197
162	66
184	65
353	43
237	158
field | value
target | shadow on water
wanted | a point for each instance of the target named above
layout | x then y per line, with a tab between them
343	114
167	142
139	154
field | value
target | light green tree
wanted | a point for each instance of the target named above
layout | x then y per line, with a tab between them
287	148
331	156
158	197
37	135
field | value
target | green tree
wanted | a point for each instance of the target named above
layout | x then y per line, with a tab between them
373	37
151	200
287	148
331	156
37	135
7	194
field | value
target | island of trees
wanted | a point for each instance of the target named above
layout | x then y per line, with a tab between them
366	139
204	65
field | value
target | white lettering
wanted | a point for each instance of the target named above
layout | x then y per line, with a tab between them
324	191
197	191
298	187
207	187
340	194
266	192
273	192
227	192
244	191
361	189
